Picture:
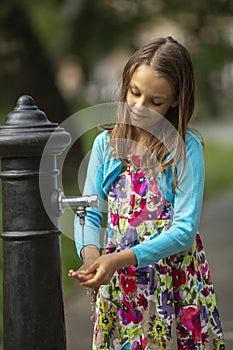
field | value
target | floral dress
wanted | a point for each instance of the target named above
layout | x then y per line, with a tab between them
170	305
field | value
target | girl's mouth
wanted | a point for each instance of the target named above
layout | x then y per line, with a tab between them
137	115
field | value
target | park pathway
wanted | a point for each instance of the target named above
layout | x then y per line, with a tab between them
216	230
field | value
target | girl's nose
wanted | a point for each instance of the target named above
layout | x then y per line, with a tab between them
140	104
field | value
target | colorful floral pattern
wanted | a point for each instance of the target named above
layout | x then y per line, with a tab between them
170	305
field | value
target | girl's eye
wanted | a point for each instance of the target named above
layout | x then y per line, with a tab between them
156	104
135	93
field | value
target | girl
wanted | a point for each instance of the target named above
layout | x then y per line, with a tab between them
153	282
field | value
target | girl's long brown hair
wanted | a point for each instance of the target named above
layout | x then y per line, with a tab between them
172	61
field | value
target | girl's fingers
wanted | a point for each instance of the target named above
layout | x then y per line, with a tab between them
91	269
91	282
73	274
81	276
70	273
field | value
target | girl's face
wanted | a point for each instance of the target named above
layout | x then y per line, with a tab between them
148	94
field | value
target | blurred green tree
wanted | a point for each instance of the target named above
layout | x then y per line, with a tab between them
208	26
36	36
25	65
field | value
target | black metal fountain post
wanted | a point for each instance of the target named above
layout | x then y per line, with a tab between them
33	312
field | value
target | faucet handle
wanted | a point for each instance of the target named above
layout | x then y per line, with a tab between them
75	201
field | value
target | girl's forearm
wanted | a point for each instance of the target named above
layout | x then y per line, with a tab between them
124	258
89	254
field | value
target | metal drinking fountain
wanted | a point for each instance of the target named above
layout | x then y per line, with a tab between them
33	308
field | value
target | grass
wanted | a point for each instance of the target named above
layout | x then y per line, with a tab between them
219	168
219	178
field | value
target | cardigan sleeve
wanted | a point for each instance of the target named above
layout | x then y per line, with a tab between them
92	186
187	210
101	172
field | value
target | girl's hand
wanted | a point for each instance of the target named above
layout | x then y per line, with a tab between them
103	267
90	254
81	278
78	274
100	272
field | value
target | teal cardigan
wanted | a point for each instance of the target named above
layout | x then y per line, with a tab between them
187	200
